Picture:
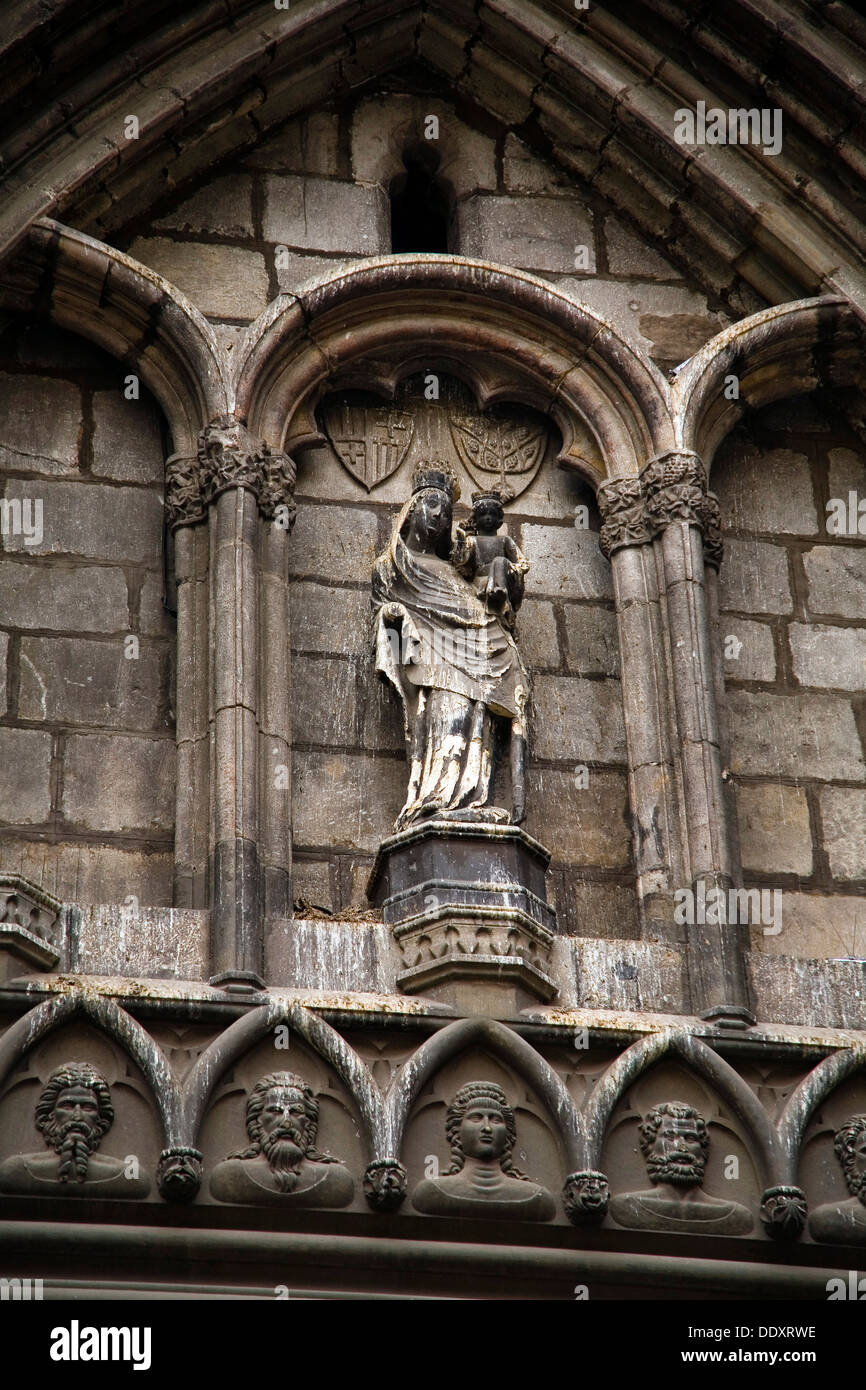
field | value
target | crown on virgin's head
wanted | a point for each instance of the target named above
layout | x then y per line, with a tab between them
438	475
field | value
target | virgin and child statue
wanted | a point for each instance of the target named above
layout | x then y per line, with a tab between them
445	607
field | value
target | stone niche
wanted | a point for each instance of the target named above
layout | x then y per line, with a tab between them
357	449
225	1134
123	1161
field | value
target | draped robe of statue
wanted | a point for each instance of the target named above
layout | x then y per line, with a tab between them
454	665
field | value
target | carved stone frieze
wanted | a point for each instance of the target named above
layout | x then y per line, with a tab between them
73	1115
482	1180
672	487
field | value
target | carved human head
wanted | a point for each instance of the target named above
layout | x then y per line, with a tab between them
73	1113
674	1142
850	1146
282	1106
480	1125
75	1097
427	526
487	512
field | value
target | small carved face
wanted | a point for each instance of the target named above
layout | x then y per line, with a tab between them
488	516
677	1153
483	1131
431	518
284	1113
76	1108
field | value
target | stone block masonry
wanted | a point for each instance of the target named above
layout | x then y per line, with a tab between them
793	628
87	646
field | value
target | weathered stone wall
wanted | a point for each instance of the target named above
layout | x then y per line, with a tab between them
793	592
315	196
86	705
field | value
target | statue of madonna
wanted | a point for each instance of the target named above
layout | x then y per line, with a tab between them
450	656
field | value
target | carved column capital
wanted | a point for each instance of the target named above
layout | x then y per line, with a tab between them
229	457
184	504
623	512
672	487
278	487
675	485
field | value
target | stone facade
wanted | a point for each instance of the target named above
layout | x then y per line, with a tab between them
337	248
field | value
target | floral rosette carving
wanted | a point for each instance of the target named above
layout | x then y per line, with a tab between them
585	1197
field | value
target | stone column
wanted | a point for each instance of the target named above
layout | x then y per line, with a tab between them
185	515
684	518
659	530
275	741
626	541
231	471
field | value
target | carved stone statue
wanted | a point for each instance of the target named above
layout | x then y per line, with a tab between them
482	1180
73	1115
674	1142
282	1163
451	658
492	563
845	1222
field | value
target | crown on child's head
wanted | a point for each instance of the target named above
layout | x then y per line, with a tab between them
493	494
439	475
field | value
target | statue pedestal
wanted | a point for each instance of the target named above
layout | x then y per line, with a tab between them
467	905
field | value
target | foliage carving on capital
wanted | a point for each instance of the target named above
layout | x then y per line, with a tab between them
672	487
623	510
184	503
277	496
229	457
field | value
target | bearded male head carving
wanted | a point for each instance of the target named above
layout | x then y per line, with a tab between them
674	1142
282	1120
73	1114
